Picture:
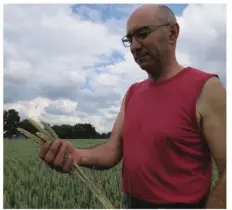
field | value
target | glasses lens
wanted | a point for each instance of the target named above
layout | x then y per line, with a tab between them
142	34
126	42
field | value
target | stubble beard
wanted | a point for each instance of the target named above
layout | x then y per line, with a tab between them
155	69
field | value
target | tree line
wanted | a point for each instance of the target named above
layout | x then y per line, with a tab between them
78	131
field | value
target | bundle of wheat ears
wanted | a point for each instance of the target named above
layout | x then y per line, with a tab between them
47	134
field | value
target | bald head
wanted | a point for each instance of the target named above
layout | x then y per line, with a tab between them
164	14
156	13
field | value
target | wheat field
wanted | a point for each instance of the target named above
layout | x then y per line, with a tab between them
29	183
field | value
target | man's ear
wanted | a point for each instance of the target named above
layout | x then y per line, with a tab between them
174	33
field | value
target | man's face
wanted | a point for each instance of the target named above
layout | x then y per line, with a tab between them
150	42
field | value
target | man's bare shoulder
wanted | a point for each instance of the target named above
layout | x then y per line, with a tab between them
213	96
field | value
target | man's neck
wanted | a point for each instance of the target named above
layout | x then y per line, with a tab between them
165	72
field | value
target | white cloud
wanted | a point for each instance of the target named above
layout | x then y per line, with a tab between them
59	66
107	79
33	109
65	107
203	38
88	13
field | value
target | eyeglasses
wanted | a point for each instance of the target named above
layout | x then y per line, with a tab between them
141	34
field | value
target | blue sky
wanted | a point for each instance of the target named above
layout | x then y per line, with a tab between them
116	11
177	8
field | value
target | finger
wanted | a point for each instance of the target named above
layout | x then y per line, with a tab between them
44	149
59	160
52	152
68	165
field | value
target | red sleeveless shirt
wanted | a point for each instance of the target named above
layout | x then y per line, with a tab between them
165	157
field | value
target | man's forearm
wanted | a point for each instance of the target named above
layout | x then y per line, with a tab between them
99	157
217	198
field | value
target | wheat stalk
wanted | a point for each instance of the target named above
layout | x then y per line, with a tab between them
49	130
48	134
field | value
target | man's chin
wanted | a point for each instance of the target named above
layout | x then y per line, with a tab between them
145	66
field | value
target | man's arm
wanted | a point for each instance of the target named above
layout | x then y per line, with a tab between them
212	108
106	155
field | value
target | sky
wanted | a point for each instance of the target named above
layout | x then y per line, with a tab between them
65	64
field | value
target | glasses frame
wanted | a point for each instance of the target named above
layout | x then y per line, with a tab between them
151	29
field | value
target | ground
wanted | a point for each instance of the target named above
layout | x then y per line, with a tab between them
29	183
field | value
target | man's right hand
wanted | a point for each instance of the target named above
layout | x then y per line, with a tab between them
53	153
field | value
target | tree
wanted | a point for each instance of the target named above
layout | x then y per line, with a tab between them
63	131
11	122
84	131
78	131
26	125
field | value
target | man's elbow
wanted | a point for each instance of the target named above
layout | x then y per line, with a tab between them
222	169
111	164
112	156
222	174
115	158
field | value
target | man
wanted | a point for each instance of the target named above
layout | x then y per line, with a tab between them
169	127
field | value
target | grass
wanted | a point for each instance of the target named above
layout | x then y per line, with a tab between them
29	183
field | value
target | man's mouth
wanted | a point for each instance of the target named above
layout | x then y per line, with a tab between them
138	58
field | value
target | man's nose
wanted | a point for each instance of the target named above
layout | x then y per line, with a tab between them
135	46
